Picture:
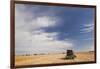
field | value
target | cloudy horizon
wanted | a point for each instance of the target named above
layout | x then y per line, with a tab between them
52	29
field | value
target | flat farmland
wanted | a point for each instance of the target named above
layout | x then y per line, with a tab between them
52	58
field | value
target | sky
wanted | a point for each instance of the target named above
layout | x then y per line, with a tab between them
53	29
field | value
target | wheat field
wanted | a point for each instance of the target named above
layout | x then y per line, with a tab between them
52	58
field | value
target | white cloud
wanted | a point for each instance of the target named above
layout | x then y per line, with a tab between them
30	38
43	42
46	21
87	28
26	19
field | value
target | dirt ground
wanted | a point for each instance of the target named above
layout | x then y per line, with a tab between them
52	58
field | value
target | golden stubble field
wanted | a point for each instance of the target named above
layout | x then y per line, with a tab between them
52	58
